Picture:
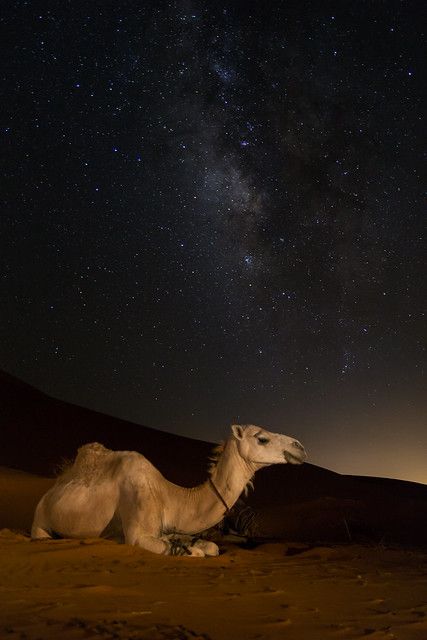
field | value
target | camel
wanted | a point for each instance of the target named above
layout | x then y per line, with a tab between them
103	487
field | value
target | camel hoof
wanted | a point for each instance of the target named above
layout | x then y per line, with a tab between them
196	552
208	548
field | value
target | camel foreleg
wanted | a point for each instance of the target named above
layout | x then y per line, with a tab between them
142	527
183	544
163	546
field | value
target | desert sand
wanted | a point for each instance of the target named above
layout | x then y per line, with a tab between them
72	589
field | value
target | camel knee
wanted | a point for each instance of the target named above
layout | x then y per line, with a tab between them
147	542
40	528
38	533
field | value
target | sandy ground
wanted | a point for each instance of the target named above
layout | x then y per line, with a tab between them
72	590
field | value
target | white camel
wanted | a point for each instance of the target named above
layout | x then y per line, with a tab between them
104	486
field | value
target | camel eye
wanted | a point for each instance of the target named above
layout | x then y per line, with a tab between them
262	440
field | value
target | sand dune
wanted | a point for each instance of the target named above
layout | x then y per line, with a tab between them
19	495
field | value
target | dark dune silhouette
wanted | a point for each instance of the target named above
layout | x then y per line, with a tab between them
304	503
38	432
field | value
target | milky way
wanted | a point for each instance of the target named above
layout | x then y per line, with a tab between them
212	213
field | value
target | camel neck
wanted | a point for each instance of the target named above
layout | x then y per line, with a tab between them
231	474
209	502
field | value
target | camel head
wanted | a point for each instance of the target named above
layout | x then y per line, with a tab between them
259	446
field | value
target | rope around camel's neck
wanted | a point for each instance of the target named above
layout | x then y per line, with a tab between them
230	475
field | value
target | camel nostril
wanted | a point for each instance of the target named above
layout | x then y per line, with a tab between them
298	445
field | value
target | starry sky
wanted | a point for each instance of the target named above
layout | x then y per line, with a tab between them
212	213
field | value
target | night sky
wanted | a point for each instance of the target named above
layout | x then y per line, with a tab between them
213	212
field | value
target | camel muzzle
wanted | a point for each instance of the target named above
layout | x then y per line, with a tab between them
295	459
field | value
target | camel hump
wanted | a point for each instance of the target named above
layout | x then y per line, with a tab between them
89	460
93	450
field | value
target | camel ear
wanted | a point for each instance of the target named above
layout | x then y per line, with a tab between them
237	430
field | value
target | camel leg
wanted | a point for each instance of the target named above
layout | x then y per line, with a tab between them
143	532
181	546
40	529
208	548
142	525
162	545
150	543
37	533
